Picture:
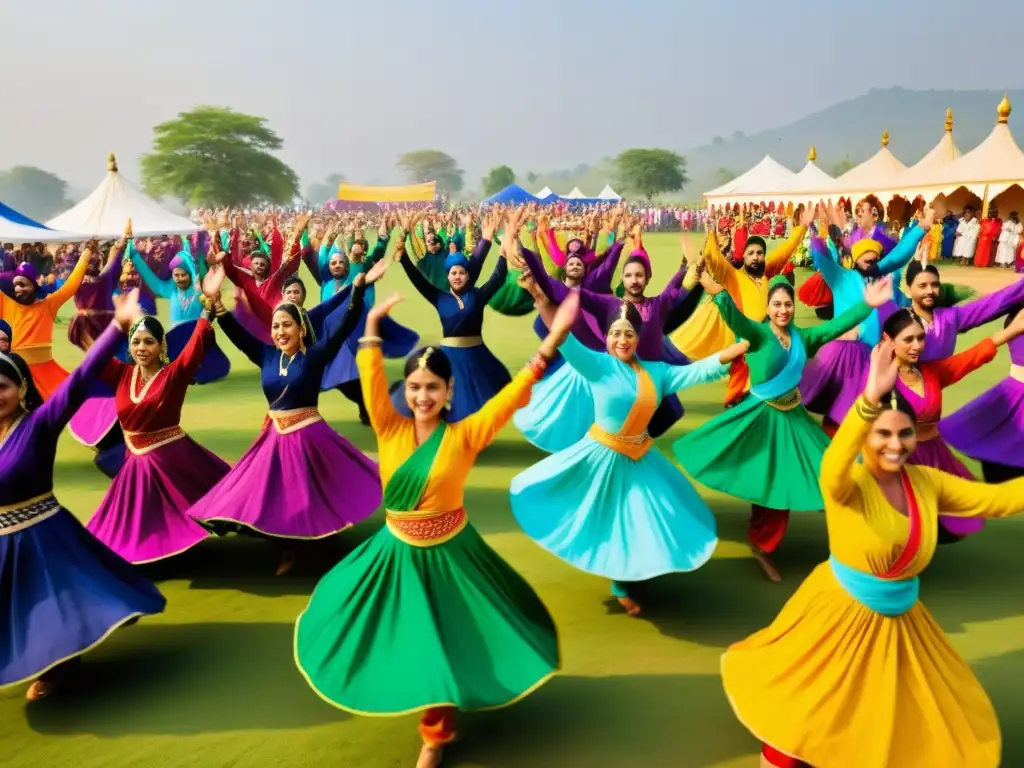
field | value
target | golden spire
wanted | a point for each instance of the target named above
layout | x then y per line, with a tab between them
949	120
112	163
1004	109
885	138
812	155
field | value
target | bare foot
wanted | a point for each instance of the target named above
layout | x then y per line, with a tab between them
766	565
430	757
632	606
287	562
39	690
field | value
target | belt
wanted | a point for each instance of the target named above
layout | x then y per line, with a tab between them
36	355
462	341
141	443
1017	372
25	514
786	402
633	446
425	529
888	597
287	422
927	430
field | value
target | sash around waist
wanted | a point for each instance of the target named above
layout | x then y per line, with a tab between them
888	597
42	353
425	528
784	402
141	443
462	341
25	514
286	422
632	446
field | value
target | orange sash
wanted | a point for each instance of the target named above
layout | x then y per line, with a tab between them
632	439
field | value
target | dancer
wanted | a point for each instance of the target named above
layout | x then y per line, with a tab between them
856	625
64	592
143	515
769	434
990	428
94	299
259	494
478	374
607	504
425	616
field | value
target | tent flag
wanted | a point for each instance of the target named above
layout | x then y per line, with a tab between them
411	193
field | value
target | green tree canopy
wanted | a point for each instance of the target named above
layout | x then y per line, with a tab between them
724	175
841	167
215	156
432	165
651	171
497	179
324	190
34	192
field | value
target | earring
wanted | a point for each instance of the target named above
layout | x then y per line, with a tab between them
448	400
164	360
22	394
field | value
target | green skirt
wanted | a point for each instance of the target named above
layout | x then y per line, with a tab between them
512	299
395	629
760	454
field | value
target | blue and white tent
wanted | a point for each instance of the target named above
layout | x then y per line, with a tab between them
511	195
16	227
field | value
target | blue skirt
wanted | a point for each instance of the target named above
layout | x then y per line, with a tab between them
611	516
63	593
397	341
215	365
478	376
560	411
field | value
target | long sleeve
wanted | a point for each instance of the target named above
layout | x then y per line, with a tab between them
980	311
319	314
902	252
251	347
477	259
276	281
958	497
112	268
721	270
776	261
187	363
380	248
482	427
819	335
599	280
826	260
555	290
59	297
680	377
73	391
162	288
495	281
419	280
839	466
374	383
954	368
738	323
588	363
329	346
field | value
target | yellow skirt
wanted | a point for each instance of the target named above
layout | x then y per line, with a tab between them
837	685
704	334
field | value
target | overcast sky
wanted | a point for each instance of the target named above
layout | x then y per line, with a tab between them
536	84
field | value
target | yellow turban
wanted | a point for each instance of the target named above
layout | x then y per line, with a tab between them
864	246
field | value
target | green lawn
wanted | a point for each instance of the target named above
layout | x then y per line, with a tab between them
212	683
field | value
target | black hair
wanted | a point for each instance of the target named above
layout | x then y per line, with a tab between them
294	280
900	319
152	325
915	268
638	260
14	367
755	240
259	255
436	362
902	405
366	246
781	285
626	310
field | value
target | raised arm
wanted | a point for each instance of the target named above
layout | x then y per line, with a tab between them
966	498
588	363
162	288
678	377
903	251
740	324
716	263
419	281
599	279
825	258
319	313
114	259
249	346
955	367
980	311
336	334
187	363
776	261
817	336
495	281
374	383
839	467
479	429
60	296
555	290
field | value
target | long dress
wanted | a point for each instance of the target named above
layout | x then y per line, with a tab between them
477	373
63	591
425	615
300	479
608	504
989	234
1006	253
854	672
94	303
143	515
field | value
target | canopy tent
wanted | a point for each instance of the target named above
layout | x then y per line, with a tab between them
608	194
576	194
941	155
808	178
753	186
513	194
545	193
16	227
104	213
880	171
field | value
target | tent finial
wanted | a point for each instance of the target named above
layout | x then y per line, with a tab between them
812	155
112	163
1004	109
885	138
949	120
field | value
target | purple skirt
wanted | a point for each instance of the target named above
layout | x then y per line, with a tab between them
834	378
85	329
936	454
63	593
990	427
144	517
307	484
248	320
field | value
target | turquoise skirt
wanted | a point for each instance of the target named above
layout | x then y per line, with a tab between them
560	411
611	516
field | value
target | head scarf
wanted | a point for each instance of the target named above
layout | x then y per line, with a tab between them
27	271
864	246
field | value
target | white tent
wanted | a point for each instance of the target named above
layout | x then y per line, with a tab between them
576	194
103	214
16	227
608	193
941	155
753	186
880	171
546	192
808	178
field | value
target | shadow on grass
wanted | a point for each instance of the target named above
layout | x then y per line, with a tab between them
673	721
1001	678
186	679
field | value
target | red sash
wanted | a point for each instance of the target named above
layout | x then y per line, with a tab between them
913	544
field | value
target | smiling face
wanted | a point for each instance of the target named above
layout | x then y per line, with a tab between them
182	279
575	268
634	279
24	290
890	442
144	348
458	277
780	308
338	266
865	216
622	341
925	290
909	344
295	293
286	333
425	394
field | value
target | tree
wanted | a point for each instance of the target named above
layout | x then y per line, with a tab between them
651	171
324	190
838	169
725	175
531	177
215	156
432	165
34	192
497	179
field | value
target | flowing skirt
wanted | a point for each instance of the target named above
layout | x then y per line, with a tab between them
760	454
215	365
63	594
991	426
394	629
478	376
834	378
85	329
95	418
801	685
397	341
306	484
606	514
560	411
704	334
143	515
512	299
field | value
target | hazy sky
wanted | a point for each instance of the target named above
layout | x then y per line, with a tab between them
536	84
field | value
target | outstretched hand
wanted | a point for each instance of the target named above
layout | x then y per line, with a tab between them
377	271
883	372
383	308
565	316
878	292
127	309
213	280
733	352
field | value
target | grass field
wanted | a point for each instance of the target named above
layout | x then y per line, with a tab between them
212	683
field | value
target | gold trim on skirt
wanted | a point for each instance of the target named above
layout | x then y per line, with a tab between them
286	422
786	402
420	528
462	342
141	443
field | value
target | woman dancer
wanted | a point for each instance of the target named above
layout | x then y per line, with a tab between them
478	374
94	299
769	434
425	616
64	592
340	485
608	505
990	428
805	686
143	515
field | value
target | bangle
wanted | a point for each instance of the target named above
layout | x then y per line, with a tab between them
371	340
866	410
538	365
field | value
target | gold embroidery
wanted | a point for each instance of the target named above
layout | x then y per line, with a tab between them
141	443
786	402
633	446
287	422
421	528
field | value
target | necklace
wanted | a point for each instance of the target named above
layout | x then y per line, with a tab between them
283	366
784	340
146	384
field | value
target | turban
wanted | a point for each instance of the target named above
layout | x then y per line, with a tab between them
457	259
864	246
27	271
5	329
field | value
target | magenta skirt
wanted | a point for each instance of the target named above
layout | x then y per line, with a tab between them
306	484
834	379
936	454
95	417
990	427
143	517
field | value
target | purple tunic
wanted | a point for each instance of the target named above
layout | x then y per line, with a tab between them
94	301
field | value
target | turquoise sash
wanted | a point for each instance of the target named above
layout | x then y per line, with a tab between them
788	379
889	597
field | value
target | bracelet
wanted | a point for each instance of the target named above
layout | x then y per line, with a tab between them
371	341
538	364
866	410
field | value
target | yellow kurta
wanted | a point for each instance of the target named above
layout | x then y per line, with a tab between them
835	684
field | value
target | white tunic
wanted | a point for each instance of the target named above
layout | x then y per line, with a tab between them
1009	238
965	244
